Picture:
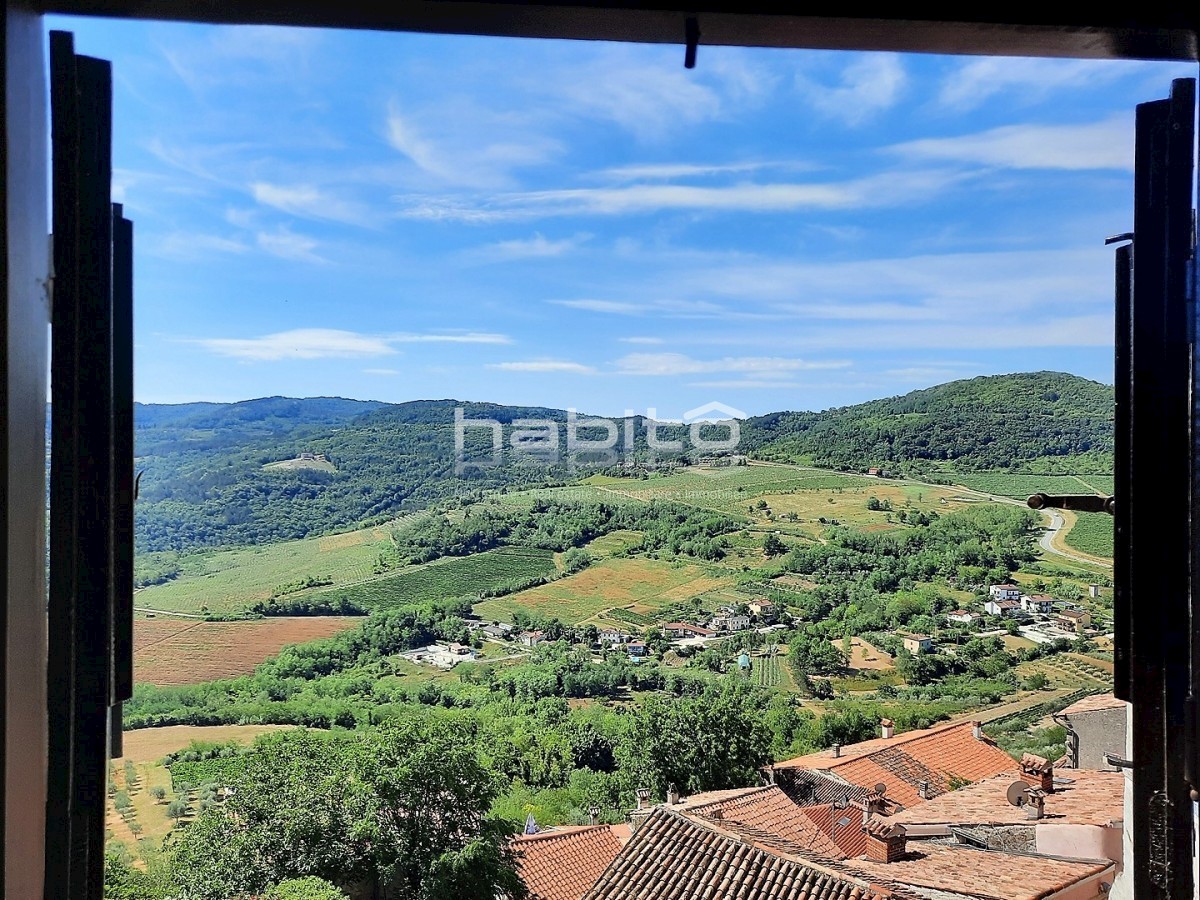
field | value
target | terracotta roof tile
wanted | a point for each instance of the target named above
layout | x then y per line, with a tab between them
978	873
1092	798
842	826
769	810
675	856
562	864
1092	704
935	755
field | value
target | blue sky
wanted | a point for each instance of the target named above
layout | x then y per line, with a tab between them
394	217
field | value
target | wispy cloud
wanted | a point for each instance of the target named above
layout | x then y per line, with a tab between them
657	306
544	366
536	247
310	202
300	343
641	340
1098	145
872	192
680	364
870	84
976	81
382	372
333	343
287	244
190	245
453	337
678	171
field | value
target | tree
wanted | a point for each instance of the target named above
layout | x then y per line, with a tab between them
158	792
177	809
773	546
309	888
404	808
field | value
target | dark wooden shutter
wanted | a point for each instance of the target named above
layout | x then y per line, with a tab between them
1156	502
91	483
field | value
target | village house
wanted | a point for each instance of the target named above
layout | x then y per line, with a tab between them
1009	608
913	767
1004	592
1075	620
637	649
533	638
764	609
917	643
613	637
1037	603
962	617
679	630
497	631
1081	816
727	620
1096	729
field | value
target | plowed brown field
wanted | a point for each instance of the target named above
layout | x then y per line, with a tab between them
188	651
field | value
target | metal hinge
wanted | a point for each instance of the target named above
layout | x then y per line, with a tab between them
1076	502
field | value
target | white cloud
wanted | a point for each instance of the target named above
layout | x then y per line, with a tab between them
536	247
333	343
686	309
309	202
1098	145
300	343
972	83
680	364
463	337
872	192
288	245
675	171
641	340
189	245
869	85
544	366
382	372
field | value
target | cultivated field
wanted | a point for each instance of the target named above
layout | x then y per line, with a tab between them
227	581
614	543
194	651
1021	487
642	585
149	745
447	577
1092	533
865	657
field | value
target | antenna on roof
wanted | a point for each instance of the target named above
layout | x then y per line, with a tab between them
881	789
1018	793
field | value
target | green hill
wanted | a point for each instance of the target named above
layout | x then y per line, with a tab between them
1027	422
208	479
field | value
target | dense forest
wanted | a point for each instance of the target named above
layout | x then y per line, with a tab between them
208	478
1029	422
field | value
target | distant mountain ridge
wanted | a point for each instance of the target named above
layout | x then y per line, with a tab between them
206	483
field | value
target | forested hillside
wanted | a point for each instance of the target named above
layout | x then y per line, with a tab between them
231	474
1027	422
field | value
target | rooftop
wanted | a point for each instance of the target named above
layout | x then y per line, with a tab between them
768	809
562	864
1092	704
672	855
933	755
965	871
1091	798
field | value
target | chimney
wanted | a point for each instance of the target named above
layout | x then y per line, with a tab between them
837	750
885	841
717	813
887	728
672	795
1036	807
977	730
1040	769
923	790
643	794
770	775
872	803
594	814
